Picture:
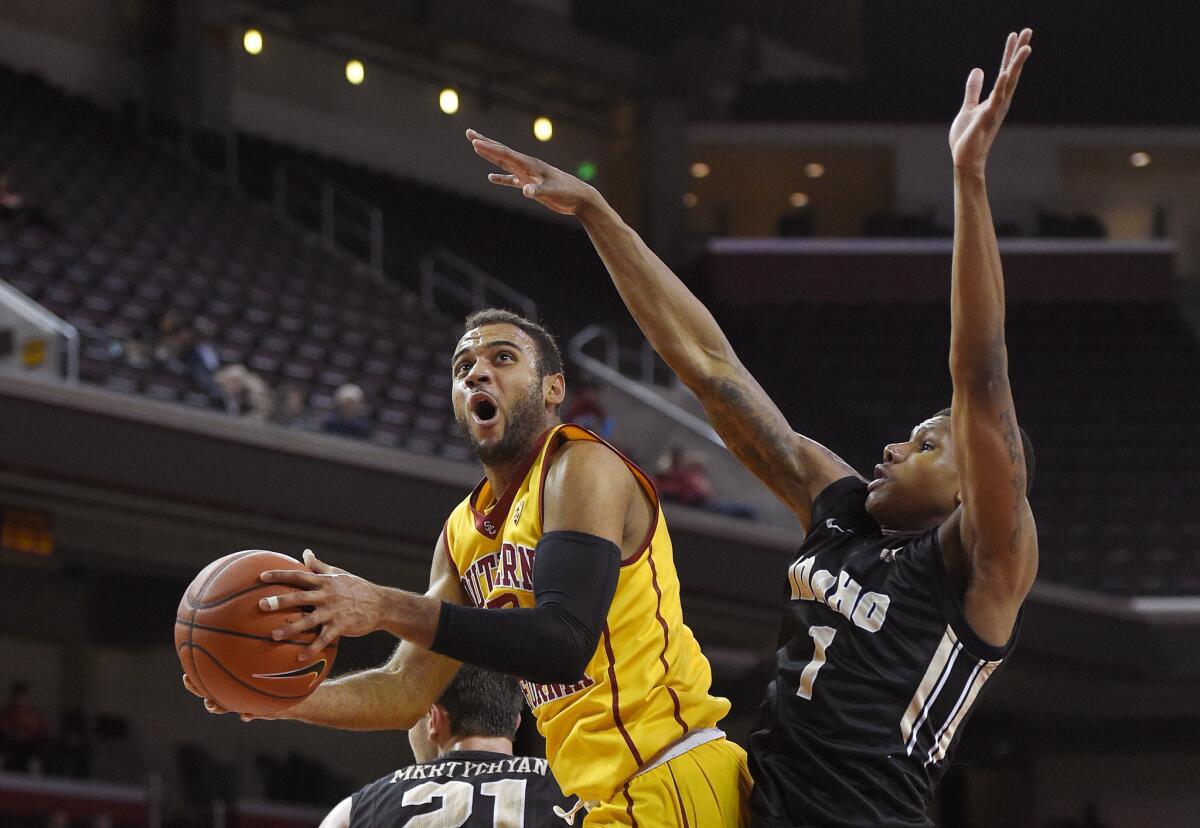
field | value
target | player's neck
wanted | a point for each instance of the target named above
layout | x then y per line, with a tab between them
501	475
485	744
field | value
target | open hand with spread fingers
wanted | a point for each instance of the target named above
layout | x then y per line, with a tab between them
560	191
336	601
975	127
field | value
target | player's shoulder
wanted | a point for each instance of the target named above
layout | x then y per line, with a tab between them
841	504
590	458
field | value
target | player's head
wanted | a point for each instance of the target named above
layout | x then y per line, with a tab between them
477	703
508	384
917	485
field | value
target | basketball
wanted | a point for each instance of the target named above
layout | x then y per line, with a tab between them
224	639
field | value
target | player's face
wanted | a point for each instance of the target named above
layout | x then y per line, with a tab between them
501	402
916	486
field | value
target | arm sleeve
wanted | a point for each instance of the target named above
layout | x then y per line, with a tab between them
574	578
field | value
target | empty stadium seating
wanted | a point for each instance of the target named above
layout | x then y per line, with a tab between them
138	233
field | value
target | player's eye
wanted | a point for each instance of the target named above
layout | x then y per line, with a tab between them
461	368
505	356
926	446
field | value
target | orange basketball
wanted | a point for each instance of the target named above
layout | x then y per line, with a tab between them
224	640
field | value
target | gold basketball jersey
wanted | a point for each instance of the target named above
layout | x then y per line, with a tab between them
646	685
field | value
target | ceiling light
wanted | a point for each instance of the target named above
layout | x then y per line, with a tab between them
252	41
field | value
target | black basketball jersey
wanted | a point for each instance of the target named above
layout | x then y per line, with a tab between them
465	789
876	673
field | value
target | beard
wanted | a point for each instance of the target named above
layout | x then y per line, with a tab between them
524	422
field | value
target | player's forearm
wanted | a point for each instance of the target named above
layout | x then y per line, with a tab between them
408	616
390	697
674	321
377	699
977	351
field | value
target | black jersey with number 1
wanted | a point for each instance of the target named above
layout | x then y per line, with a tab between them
876	673
465	789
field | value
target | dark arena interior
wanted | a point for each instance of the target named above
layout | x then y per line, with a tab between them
238	239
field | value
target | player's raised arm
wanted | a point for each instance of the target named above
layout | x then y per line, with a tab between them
393	696
683	332
995	526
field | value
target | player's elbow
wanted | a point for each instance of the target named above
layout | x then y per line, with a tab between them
569	647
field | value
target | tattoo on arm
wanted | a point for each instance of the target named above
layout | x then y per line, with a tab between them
1017	479
758	436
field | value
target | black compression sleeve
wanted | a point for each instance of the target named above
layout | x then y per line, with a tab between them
574	579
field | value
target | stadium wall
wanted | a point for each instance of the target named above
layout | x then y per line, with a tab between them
1066	170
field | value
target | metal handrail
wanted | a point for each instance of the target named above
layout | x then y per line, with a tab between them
38	315
329	199
608	370
439	269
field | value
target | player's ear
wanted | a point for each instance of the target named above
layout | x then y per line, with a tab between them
554	388
439	723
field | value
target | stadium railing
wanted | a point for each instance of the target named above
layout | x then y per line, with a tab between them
33	341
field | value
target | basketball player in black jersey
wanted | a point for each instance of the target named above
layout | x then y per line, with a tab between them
905	596
466	774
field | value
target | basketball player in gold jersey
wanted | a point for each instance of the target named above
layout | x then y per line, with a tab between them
567	537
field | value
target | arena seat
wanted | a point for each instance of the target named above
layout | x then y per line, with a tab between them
138	233
1109	393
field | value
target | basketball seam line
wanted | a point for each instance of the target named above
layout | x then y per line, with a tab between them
193	625
248	686
226	599
207	581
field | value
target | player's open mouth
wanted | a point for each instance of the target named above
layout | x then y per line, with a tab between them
484	410
881	477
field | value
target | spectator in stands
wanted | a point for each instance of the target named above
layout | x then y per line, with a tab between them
291	407
685	481
179	341
24	731
244	393
350	420
587	410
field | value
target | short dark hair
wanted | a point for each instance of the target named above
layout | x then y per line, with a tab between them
1026	449
549	357
482	703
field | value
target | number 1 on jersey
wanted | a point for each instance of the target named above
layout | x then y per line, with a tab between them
822	637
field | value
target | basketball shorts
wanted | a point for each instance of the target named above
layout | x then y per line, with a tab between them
707	787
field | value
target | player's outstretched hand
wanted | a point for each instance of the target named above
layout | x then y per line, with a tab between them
210	705
975	127
560	191
338	602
